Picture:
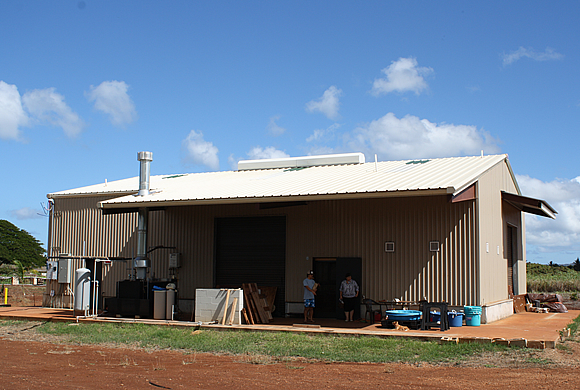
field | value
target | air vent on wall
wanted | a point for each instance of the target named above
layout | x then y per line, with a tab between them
389	246
434	246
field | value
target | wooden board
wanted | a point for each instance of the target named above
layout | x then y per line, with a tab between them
519	303
226	307
233	312
245	313
249	304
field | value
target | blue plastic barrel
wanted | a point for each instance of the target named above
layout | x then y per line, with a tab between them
455	319
472	315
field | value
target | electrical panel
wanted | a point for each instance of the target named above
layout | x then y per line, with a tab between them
64	268
51	270
174	260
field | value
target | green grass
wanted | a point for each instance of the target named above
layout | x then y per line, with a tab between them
552	278
279	345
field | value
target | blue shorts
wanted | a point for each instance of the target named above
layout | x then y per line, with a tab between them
309	303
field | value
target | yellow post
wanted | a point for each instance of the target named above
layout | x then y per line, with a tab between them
5	295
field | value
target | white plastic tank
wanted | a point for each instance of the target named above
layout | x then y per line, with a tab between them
82	290
169	304
159	298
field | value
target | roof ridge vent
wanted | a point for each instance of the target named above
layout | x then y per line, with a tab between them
302	162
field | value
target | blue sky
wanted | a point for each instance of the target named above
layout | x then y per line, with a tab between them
85	85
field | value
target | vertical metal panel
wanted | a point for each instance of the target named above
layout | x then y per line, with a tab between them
79	228
342	228
492	231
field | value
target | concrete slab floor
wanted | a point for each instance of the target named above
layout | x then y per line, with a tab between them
539	330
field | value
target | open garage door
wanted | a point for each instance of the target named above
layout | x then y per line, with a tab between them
252	250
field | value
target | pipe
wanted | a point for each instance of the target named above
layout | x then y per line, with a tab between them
145	159
141	263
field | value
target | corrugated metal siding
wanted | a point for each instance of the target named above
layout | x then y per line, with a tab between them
360	229
345	228
492	226
79	228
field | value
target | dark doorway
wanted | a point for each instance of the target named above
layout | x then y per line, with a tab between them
252	250
329	273
511	257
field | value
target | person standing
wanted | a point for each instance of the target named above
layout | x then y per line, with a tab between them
348	294
309	295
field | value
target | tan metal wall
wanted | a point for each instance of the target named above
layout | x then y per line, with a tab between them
493	222
360	228
342	228
80	229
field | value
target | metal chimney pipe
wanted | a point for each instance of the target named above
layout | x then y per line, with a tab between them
141	263
145	159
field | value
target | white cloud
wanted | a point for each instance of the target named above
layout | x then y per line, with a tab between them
111	97
401	76
410	137
563	233
258	153
273	127
233	162
328	104
48	106
323	134
25	213
12	115
548	55
200	152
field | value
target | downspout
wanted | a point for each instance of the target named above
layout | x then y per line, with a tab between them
141	263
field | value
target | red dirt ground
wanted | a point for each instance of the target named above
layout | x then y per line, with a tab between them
45	364
36	365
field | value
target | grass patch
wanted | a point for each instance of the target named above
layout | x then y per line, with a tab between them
254	347
552	278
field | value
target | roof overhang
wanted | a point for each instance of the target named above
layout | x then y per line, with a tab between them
132	203
530	205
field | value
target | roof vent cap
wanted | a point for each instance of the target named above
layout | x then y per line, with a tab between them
306	161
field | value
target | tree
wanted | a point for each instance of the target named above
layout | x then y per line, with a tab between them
17	245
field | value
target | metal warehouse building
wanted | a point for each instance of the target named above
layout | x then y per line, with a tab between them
446	229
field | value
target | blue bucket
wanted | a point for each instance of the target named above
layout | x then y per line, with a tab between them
455	319
435	316
472	315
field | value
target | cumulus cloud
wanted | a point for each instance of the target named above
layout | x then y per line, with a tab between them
328	104
403	75
12	115
548	55
200	152
563	233
273	127
111	98
411	137
48	106
257	153
25	213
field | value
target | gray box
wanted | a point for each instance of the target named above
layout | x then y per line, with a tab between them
174	260
64	270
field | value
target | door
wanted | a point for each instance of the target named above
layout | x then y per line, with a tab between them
329	273
252	250
511	258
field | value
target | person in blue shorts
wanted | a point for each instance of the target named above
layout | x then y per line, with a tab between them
309	294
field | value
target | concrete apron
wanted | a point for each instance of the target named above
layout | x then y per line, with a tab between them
531	330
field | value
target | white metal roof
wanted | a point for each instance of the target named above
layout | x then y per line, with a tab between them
388	178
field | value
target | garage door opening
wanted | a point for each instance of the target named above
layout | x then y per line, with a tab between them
252	250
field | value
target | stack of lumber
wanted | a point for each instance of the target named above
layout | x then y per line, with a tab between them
258	304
